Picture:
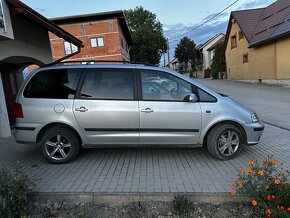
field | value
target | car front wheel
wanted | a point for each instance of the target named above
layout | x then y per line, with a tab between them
60	145
225	141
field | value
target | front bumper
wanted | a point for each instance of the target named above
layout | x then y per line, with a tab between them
254	132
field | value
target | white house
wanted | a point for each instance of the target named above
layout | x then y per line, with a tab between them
207	52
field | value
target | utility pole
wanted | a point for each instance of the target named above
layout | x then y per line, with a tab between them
168	49
164	56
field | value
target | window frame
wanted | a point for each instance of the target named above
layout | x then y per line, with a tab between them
71	47
245	58
241	35
234	45
83	76
140	92
75	85
97	43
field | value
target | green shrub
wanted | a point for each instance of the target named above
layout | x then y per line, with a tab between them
14	190
266	184
182	206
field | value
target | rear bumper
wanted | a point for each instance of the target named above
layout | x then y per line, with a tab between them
254	132
26	133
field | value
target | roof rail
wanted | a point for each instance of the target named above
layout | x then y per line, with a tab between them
89	61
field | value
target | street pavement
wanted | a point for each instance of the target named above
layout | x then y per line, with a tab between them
155	170
272	103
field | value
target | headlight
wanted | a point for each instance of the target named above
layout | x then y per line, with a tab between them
255	118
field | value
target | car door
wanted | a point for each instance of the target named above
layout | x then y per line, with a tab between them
165	118
106	108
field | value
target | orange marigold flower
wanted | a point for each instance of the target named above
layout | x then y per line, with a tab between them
254	202
249	171
261	173
232	183
233	192
288	209
240	185
268	212
251	163
277	181
273	197
281	207
242	170
283	173
264	161
272	161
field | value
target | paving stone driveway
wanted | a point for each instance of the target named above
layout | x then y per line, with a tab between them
143	170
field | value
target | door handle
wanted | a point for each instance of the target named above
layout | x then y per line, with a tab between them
81	109
147	110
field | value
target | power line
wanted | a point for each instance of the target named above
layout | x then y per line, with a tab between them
203	23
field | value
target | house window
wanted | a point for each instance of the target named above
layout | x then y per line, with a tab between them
234	41
97	42
241	35
69	48
245	58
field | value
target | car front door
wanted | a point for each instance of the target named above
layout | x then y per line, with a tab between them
106	108
165	118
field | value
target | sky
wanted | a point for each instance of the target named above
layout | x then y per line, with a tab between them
177	17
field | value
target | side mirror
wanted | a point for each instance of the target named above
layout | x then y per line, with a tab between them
190	98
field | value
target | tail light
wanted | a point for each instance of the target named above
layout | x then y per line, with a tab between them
18	111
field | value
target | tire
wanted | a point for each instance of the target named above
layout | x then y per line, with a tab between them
60	145
224	141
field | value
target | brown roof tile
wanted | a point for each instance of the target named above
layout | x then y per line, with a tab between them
264	24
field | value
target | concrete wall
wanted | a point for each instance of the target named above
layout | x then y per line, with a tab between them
30	41
261	61
4	122
30	46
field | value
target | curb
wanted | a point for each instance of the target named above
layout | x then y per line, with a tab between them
123	198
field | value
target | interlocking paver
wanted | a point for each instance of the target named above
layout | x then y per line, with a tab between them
142	169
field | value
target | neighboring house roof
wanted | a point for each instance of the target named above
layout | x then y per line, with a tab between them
20	8
221	40
97	16
263	25
201	46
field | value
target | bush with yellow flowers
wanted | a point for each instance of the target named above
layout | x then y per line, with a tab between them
267	184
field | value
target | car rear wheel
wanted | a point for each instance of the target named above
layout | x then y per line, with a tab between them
60	145
225	141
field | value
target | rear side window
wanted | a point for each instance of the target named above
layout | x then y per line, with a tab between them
108	84
53	84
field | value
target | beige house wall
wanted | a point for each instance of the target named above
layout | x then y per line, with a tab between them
261	61
283	58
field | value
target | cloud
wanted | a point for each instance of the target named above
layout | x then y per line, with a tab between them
211	28
199	35
255	4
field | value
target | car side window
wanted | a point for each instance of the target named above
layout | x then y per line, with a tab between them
53	84
108	84
205	97
161	86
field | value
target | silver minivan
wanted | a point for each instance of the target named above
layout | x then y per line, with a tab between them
65	107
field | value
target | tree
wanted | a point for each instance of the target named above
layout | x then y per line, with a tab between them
147	35
185	51
218	64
